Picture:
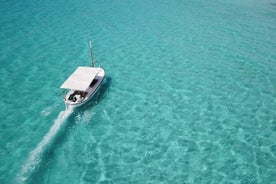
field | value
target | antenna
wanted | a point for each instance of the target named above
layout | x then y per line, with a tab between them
91	53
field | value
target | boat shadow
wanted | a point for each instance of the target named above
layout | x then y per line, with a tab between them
49	154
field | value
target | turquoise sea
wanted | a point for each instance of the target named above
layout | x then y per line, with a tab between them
189	97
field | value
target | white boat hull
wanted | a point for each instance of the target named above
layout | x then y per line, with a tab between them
89	93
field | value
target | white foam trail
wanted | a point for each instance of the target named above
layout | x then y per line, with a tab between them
35	156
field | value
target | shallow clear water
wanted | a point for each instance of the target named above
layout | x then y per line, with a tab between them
190	93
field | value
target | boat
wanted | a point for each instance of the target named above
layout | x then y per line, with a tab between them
83	83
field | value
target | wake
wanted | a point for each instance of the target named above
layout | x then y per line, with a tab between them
35	156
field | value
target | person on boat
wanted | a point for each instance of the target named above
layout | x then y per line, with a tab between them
77	97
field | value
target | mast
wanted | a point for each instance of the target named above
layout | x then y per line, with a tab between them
91	54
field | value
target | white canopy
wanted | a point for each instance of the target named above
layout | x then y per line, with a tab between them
81	78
